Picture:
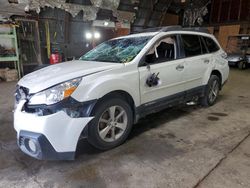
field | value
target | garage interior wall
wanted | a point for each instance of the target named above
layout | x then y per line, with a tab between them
67	33
225	32
171	19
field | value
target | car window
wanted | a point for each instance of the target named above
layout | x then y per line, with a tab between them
162	51
191	45
211	45
120	50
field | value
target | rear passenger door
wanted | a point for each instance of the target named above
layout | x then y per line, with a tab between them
196	62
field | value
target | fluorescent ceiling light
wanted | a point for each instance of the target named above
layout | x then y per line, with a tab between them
105	23
88	35
97	35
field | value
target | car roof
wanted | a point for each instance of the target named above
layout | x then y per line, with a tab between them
146	34
177	29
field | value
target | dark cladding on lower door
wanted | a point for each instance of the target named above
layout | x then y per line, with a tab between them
169	101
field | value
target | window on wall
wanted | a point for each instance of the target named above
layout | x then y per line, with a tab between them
191	45
215	11
235	7
230	10
225	6
211	45
245	10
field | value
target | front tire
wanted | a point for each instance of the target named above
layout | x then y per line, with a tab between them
211	91
111	125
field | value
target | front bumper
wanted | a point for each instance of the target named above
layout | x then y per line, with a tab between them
38	146
55	136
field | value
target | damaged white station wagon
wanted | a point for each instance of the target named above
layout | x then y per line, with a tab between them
101	95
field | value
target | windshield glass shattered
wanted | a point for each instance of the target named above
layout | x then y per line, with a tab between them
118	50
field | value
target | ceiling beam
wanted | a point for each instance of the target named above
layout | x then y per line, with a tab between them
165	12
152	6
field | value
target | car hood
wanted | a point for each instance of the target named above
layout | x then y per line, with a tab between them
54	74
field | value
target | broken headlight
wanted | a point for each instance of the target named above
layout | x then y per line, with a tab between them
56	93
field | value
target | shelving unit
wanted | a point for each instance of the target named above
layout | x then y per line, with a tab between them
29	42
11	35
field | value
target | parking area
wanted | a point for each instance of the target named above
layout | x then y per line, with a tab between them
178	147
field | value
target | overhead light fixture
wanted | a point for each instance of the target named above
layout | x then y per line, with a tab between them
97	35
105	23
27	8
88	35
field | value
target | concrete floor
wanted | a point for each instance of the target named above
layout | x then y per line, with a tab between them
187	147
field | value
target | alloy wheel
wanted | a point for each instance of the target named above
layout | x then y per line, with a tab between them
112	123
213	91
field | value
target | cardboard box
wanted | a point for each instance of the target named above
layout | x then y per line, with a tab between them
9	74
2	73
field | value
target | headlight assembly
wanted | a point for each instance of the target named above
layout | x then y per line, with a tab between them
56	93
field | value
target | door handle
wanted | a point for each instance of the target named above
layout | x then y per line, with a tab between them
206	61
180	67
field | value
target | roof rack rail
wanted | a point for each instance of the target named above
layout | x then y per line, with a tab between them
197	29
174	28
170	28
160	29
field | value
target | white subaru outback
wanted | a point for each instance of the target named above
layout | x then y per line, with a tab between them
101	95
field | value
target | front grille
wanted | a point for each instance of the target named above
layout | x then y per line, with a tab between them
21	141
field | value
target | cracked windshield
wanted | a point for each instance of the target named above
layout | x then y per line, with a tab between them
118	50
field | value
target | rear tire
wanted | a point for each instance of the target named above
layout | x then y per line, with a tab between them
211	91
242	65
112	123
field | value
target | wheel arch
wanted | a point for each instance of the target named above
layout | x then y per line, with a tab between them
116	93
217	73
120	94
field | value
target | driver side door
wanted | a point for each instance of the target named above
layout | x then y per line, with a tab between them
170	69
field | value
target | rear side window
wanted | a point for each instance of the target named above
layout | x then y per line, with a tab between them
191	45
211	45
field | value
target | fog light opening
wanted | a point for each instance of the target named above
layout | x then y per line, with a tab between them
31	146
